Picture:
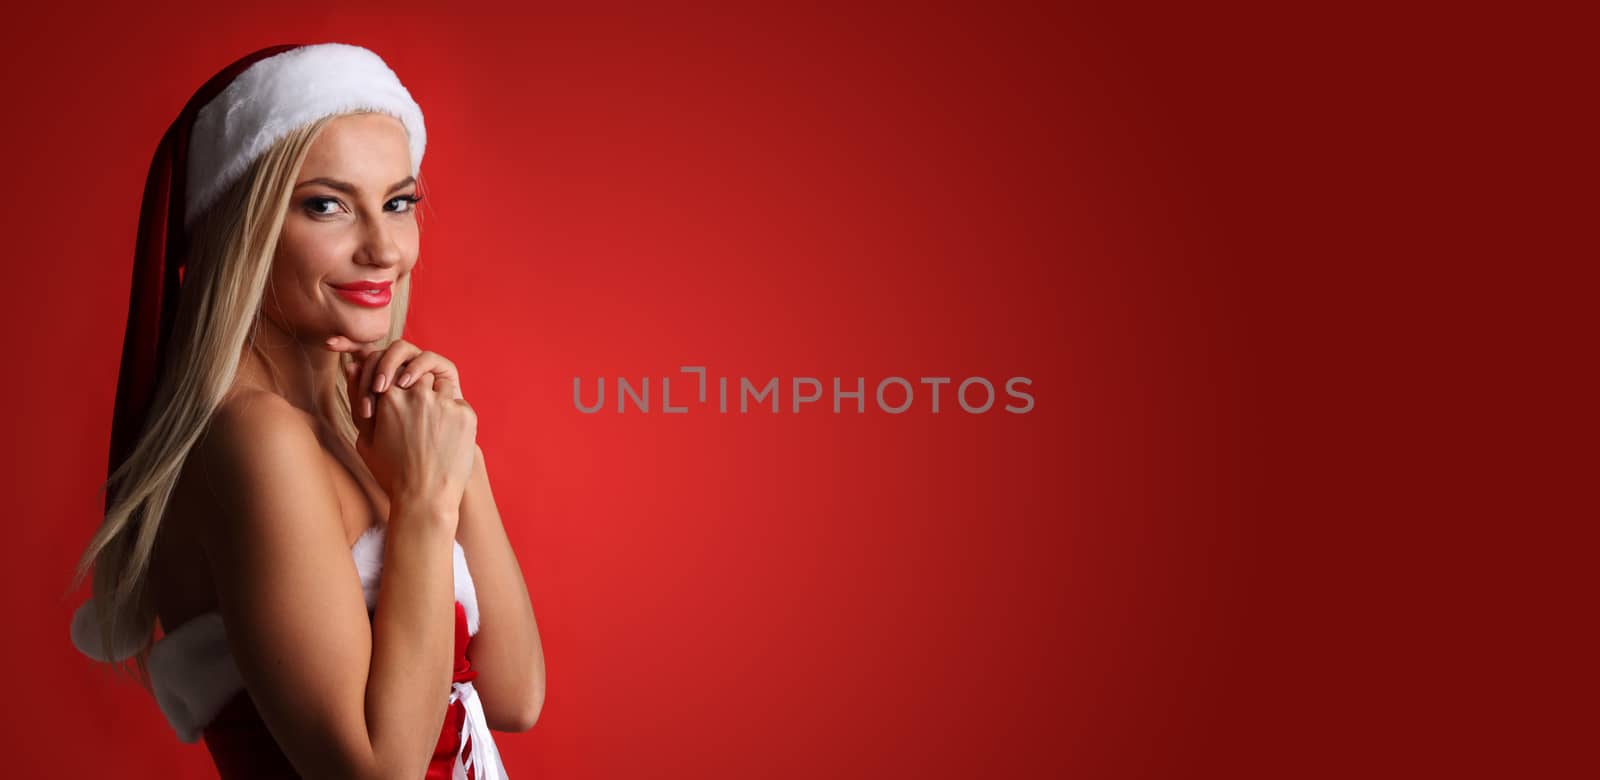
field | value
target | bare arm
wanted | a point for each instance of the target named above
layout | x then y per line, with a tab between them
341	696
506	650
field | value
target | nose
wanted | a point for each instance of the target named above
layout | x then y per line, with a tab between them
378	245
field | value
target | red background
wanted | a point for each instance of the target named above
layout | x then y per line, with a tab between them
1276	511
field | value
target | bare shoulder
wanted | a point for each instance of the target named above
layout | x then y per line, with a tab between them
287	587
253	423
256	446
217	479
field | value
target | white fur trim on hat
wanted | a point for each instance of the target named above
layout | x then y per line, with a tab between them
193	675
87	638
277	95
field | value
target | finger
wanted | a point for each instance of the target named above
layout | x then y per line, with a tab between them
352	379
399	352
446	385
363	388
424	362
441	368
344	344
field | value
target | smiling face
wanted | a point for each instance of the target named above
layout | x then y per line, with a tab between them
350	233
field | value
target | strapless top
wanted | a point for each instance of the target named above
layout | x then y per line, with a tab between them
200	691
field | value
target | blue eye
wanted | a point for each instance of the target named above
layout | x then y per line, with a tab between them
311	205
410	202
316	206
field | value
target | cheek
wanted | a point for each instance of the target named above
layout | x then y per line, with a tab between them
410	240
301	264
410	247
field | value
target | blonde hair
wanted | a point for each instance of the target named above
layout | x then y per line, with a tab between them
225	278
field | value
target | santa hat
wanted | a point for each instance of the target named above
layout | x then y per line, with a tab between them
230	121
235	116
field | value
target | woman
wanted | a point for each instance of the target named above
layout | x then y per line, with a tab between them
296	490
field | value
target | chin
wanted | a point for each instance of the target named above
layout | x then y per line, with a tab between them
367	331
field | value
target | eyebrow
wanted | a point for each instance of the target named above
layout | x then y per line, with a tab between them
351	189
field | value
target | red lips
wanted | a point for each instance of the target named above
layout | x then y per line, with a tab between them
363	293
364	286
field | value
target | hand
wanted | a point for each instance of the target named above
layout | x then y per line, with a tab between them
398	365
419	436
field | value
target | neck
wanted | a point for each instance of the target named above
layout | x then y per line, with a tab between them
305	373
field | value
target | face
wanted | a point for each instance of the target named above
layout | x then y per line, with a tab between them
350	233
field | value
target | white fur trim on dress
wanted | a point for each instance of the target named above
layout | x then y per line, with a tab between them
280	93
193	672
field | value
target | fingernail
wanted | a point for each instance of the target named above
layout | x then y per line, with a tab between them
331	340
366	407
405	380
383	382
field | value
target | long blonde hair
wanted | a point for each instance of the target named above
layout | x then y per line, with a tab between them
229	261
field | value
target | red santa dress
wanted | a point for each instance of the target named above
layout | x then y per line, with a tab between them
202	695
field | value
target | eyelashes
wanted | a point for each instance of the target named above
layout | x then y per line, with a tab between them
315	205
413	200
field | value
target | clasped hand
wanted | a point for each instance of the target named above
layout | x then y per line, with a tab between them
425	438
